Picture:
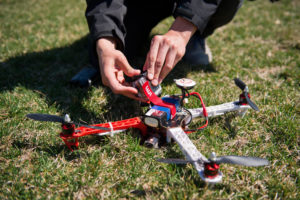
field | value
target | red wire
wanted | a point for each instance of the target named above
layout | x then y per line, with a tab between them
203	105
204	113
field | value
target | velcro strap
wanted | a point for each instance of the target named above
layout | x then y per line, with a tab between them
158	101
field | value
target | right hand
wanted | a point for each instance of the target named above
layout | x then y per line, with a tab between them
166	50
113	64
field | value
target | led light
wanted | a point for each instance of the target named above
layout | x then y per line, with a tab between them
151	121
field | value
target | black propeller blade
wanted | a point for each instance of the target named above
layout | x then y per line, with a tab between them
251	104
237	160
46	117
55	118
244	88
240	83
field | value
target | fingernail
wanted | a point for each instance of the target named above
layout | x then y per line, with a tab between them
150	76
154	82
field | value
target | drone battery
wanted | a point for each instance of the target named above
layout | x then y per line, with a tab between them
138	84
157	116
162	112
172	100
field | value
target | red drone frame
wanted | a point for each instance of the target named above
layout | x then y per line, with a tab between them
167	119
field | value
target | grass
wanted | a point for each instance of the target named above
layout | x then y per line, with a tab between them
44	43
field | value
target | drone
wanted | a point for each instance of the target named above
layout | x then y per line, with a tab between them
165	121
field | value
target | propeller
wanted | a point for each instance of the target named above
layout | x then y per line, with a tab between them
237	160
63	120
245	90
242	160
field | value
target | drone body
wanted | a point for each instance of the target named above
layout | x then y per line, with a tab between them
167	119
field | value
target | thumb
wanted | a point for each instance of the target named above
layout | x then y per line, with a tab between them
126	68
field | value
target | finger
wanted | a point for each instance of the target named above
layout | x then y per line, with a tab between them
126	84
106	70
122	62
145	67
118	88
168	66
128	92
112	77
120	76
129	95
151	58
161	56
121	89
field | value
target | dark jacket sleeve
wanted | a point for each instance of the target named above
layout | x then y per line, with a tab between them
105	18
197	12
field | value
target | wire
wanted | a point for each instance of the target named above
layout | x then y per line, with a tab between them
203	105
190	114
196	94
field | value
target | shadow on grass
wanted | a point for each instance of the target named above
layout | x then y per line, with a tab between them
230	129
144	192
47	74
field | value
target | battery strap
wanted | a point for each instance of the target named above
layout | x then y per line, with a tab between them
158	101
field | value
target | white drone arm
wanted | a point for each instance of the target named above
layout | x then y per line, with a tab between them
213	111
191	153
187	147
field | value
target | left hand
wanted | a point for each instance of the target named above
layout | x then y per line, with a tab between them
166	50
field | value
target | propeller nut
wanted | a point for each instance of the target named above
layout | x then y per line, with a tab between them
213	157
67	118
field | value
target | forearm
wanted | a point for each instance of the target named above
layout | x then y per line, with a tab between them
198	12
105	19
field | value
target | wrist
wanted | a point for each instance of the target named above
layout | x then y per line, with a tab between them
183	29
105	43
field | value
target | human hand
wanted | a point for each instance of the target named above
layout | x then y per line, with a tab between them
113	64
166	50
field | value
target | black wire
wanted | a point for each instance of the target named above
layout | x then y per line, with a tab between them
189	113
183	96
184	92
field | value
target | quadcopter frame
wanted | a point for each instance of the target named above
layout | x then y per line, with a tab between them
175	129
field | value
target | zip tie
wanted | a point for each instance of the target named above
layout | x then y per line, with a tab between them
111	129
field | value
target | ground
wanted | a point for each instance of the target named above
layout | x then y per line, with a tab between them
43	44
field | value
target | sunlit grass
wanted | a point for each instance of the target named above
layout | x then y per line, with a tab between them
44	43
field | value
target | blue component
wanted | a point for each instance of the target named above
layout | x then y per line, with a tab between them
175	101
164	109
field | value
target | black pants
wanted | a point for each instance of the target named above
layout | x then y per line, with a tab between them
142	17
